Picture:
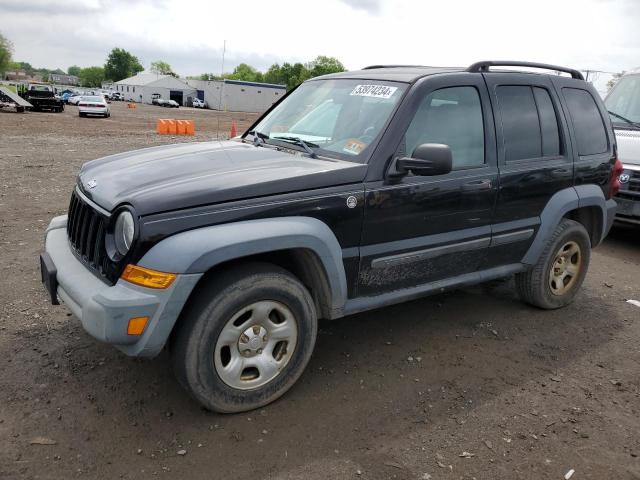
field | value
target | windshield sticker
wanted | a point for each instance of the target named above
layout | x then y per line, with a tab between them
353	146
377	91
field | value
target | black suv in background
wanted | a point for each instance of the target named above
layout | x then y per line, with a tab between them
357	190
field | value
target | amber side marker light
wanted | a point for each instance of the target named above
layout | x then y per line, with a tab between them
146	277
137	325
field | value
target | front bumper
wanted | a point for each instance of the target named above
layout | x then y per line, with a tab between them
105	310
628	210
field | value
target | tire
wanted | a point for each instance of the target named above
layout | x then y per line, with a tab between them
555	279
222	365
81	114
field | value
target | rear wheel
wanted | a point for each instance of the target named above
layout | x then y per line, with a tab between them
245	339
555	279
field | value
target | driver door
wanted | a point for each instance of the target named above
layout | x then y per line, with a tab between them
422	229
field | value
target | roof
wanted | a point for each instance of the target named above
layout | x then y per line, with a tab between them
406	74
255	84
142	79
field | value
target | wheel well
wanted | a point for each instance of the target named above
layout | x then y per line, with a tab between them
302	263
591	220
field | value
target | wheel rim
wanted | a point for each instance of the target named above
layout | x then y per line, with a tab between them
255	345
565	268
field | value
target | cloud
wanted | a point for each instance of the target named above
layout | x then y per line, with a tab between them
369	6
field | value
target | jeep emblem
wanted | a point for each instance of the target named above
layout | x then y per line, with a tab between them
91	184
352	202
624	178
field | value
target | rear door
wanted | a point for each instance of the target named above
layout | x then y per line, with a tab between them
535	159
420	229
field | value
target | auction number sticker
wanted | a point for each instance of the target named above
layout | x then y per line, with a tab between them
377	91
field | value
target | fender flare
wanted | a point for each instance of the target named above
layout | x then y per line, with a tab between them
558	206
199	250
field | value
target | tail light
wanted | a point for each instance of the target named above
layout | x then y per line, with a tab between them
82	104
614	181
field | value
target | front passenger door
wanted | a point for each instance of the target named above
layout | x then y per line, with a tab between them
421	229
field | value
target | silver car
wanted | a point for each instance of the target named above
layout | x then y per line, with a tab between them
93	105
623	104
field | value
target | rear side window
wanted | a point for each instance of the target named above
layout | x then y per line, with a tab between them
587	122
529	122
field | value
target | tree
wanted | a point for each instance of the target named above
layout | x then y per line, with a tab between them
91	76
74	70
121	64
323	65
245	72
6	50
162	68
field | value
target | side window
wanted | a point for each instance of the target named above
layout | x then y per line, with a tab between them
548	123
587	122
452	116
529	122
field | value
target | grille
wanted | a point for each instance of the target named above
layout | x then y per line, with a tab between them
86	230
634	181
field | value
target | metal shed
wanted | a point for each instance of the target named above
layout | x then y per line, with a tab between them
237	95
142	87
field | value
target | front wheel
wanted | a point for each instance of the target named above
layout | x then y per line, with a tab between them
245	338
555	279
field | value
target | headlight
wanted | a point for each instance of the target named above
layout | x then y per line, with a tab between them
123	232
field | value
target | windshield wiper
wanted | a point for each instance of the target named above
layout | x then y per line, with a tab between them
298	141
624	119
258	137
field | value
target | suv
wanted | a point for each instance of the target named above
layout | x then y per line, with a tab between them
419	180
623	103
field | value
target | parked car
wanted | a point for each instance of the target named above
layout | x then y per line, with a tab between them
74	99
156	99
425	180
623	104
197	103
93	105
117	96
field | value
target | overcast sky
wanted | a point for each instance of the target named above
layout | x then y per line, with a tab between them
594	34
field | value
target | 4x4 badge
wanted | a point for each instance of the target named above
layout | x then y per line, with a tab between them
352	202
91	184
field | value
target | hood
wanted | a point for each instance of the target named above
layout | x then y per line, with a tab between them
186	175
628	146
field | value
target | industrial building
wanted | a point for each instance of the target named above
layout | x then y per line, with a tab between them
144	86
237	95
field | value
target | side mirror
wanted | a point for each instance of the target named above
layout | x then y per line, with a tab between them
427	159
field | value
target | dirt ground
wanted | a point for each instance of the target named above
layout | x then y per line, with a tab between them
472	384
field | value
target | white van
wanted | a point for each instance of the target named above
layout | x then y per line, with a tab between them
623	104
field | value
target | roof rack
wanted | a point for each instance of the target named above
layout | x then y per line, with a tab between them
373	67
480	67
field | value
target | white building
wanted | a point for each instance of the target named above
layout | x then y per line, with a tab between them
237	95
143	86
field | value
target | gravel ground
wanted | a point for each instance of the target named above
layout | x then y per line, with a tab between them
472	384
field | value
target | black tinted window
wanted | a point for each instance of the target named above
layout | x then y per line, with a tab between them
587	122
452	116
520	124
548	123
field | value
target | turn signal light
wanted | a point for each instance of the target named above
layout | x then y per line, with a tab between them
137	325
146	277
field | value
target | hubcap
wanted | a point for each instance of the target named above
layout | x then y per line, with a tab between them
565	268
255	345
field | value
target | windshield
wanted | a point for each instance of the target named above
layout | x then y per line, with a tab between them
93	99
624	100
340	118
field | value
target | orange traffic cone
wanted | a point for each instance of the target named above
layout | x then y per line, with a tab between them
234	129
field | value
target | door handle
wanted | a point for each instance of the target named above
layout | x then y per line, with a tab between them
477	185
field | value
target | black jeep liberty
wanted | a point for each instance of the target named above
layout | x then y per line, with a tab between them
357	190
